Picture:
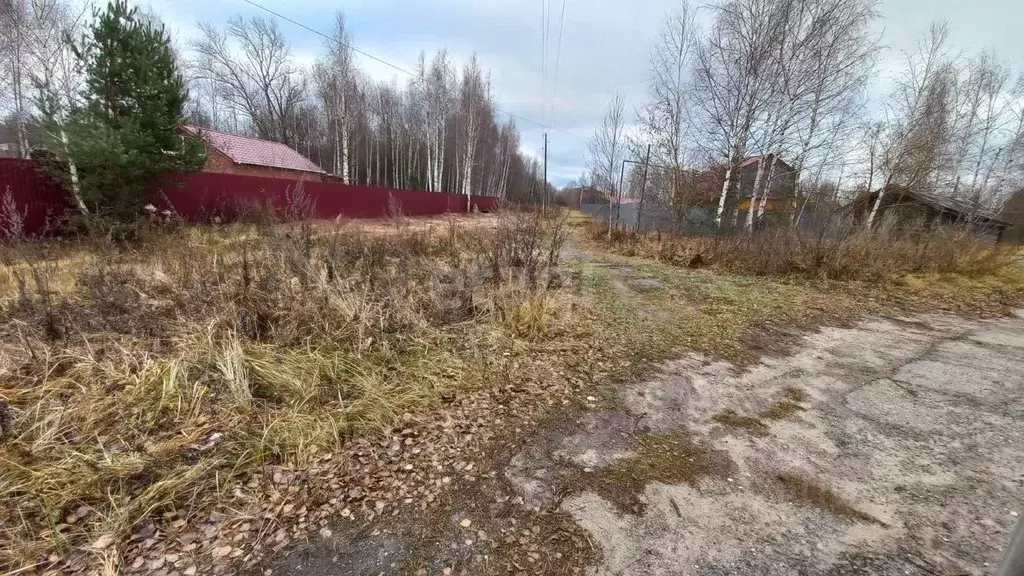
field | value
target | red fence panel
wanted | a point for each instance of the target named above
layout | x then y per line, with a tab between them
202	196
31	203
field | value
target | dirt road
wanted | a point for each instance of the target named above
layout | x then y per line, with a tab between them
894	447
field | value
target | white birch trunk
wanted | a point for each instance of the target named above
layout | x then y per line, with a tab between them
734	154
73	171
753	194
337	151
878	203
768	187
345	177
467	175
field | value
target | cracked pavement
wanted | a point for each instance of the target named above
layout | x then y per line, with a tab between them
916	422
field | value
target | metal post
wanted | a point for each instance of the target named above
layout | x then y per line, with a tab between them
618	201
544	192
643	187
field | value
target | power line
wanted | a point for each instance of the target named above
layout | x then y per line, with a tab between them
395	66
558	57
543	55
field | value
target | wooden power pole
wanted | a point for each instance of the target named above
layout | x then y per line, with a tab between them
544	191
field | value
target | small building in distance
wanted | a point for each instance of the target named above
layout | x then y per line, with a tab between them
577	196
932	210
1012	213
779	194
247	156
8	142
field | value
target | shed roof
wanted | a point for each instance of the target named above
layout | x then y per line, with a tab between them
253	151
950	204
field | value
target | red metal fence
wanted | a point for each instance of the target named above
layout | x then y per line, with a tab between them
204	195
31	203
199	197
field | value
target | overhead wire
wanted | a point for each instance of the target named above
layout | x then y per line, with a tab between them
397	67
543	55
558	57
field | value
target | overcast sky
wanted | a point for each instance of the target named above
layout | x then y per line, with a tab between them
603	49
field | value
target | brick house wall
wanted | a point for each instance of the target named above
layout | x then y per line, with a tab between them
218	163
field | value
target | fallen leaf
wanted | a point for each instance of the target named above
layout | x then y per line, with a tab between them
222	551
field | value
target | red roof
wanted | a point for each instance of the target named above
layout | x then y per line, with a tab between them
253	151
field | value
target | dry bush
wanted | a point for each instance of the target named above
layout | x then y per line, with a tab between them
840	249
520	243
150	376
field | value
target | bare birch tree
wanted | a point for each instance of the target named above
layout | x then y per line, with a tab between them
734	82
258	80
439	100
665	119
333	78
915	118
826	56
474	102
42	72
16	20
606	151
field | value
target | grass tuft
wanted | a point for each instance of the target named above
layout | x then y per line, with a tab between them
730	417
814	494
670	458
783	409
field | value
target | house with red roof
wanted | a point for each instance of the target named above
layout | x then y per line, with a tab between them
247	156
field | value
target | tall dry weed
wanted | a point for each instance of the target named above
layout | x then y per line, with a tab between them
138	376
838	248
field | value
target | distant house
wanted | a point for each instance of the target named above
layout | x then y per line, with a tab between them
576	196
8	142
15	143
1012	213
931	210
779	194
244	155
688	201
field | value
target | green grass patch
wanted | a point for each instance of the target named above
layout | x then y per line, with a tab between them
671	458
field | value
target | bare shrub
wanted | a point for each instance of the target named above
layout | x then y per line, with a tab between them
394	206
12	220
839	248
526	244
299	205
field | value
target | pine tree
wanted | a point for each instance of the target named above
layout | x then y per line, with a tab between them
125	136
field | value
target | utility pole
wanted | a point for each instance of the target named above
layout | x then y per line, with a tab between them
544	191
643	188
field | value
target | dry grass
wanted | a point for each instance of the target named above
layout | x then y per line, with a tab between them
839	249
156	377
787	407
730	417
779	410
671	458
814	494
